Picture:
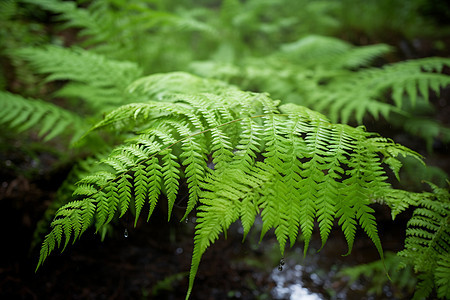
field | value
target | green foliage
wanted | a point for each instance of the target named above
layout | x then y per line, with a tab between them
426	250
239	154
23	114
401	279
323	74
235	43
120	30
335	78
427	243
284	161
64	195
19	27
235	24
98	81
418	122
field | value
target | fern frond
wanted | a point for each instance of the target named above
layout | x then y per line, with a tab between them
318	51
399	200
71	221
288	163
94	78
96	22
76	17
287	210
425	127
442	274
221	207
120	30
170	171
322	73
427	242
194	159
23	114
83	172
363	91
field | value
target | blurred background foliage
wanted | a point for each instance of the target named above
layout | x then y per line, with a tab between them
298	51
168	35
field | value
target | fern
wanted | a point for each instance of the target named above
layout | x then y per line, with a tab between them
100	82
317	52
427	243
418	122
238	154
286	162
365	89
120	30
64	194
22	114
320	73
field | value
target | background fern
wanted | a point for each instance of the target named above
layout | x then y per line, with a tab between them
333	77
320	73
24	114
97	81
400	278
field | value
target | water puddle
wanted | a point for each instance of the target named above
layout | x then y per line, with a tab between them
289	284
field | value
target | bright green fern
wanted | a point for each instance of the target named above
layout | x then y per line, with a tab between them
241	154
427	244
425	259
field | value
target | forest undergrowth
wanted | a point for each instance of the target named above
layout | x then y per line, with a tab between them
299	127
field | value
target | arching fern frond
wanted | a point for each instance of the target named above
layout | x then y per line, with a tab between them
361	92
241	154
313	171
99	81
49	120
333	77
